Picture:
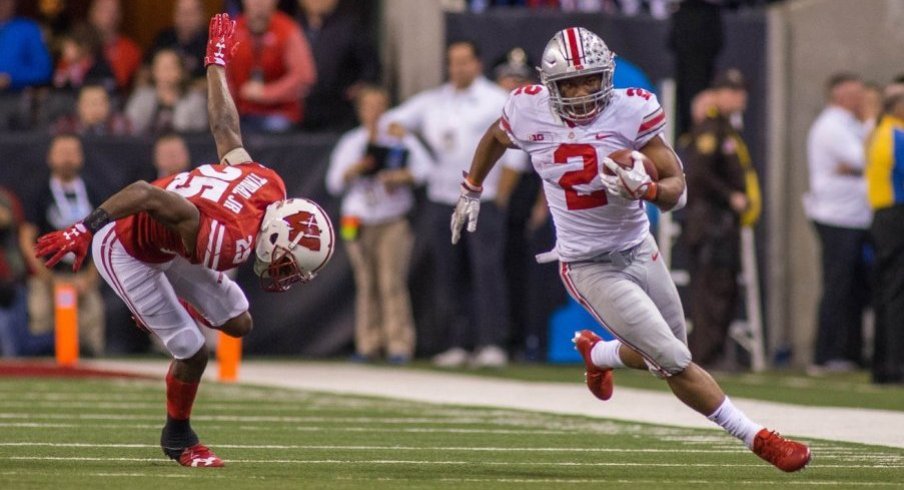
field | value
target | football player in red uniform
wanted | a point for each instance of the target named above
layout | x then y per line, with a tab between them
162	247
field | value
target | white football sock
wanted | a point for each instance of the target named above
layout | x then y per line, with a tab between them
605	354
733	420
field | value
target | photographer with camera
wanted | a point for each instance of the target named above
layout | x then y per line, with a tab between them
373	170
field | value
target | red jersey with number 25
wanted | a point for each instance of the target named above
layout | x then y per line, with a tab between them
567	157
231	200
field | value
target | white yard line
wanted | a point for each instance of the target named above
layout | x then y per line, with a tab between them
389	448
867	426
448	462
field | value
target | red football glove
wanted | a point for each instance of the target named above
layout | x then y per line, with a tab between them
220	40
75	239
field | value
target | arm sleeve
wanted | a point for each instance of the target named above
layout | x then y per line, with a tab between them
506	121
35	67
344	156
652	118
301	72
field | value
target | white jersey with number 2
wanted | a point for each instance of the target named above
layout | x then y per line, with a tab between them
588	221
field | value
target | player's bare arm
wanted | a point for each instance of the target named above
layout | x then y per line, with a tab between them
221	109
671	184
169	208
490	149
222	113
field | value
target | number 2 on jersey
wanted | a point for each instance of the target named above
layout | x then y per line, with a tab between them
574	199
212	184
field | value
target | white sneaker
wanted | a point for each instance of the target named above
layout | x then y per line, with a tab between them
489	356
454	357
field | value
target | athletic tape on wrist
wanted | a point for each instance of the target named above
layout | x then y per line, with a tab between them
236	156
96	220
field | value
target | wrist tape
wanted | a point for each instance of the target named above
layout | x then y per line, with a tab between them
96	220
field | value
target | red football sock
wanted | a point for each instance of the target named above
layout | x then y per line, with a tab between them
180	396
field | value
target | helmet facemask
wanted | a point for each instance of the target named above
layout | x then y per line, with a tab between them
585	108
281	272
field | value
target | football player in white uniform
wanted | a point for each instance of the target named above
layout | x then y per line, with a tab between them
609	262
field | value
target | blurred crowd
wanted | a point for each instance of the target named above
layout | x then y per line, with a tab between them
296	68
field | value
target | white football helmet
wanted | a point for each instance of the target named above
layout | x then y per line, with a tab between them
576	52
295	241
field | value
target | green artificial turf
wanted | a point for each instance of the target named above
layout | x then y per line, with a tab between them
91	434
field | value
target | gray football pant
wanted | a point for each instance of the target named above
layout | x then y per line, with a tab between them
637	301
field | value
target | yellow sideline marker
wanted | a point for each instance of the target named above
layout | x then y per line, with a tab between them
66	323
229	355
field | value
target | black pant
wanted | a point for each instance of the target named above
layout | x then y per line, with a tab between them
888	235
714	267
845	293
470	278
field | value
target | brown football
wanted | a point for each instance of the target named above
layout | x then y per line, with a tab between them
623	159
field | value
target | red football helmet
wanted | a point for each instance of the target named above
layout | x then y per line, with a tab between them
296	241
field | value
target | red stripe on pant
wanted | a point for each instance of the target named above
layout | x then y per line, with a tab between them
573	290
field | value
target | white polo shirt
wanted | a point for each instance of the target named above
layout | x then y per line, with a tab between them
365	197
452	122
837	137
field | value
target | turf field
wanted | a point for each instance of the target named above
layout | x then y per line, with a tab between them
77	433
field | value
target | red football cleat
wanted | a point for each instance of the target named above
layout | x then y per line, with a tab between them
784	454
199	456
599	380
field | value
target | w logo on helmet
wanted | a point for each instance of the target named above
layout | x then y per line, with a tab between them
305	224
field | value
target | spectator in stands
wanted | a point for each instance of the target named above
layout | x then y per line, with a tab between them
94	115
122	54
451	119
14	337
24	59
885	189
171	155
272	68
377	196
346	57
63	200
838	207
187	37
168	104
82	61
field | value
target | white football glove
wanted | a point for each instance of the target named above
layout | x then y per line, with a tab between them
631	184
467	209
